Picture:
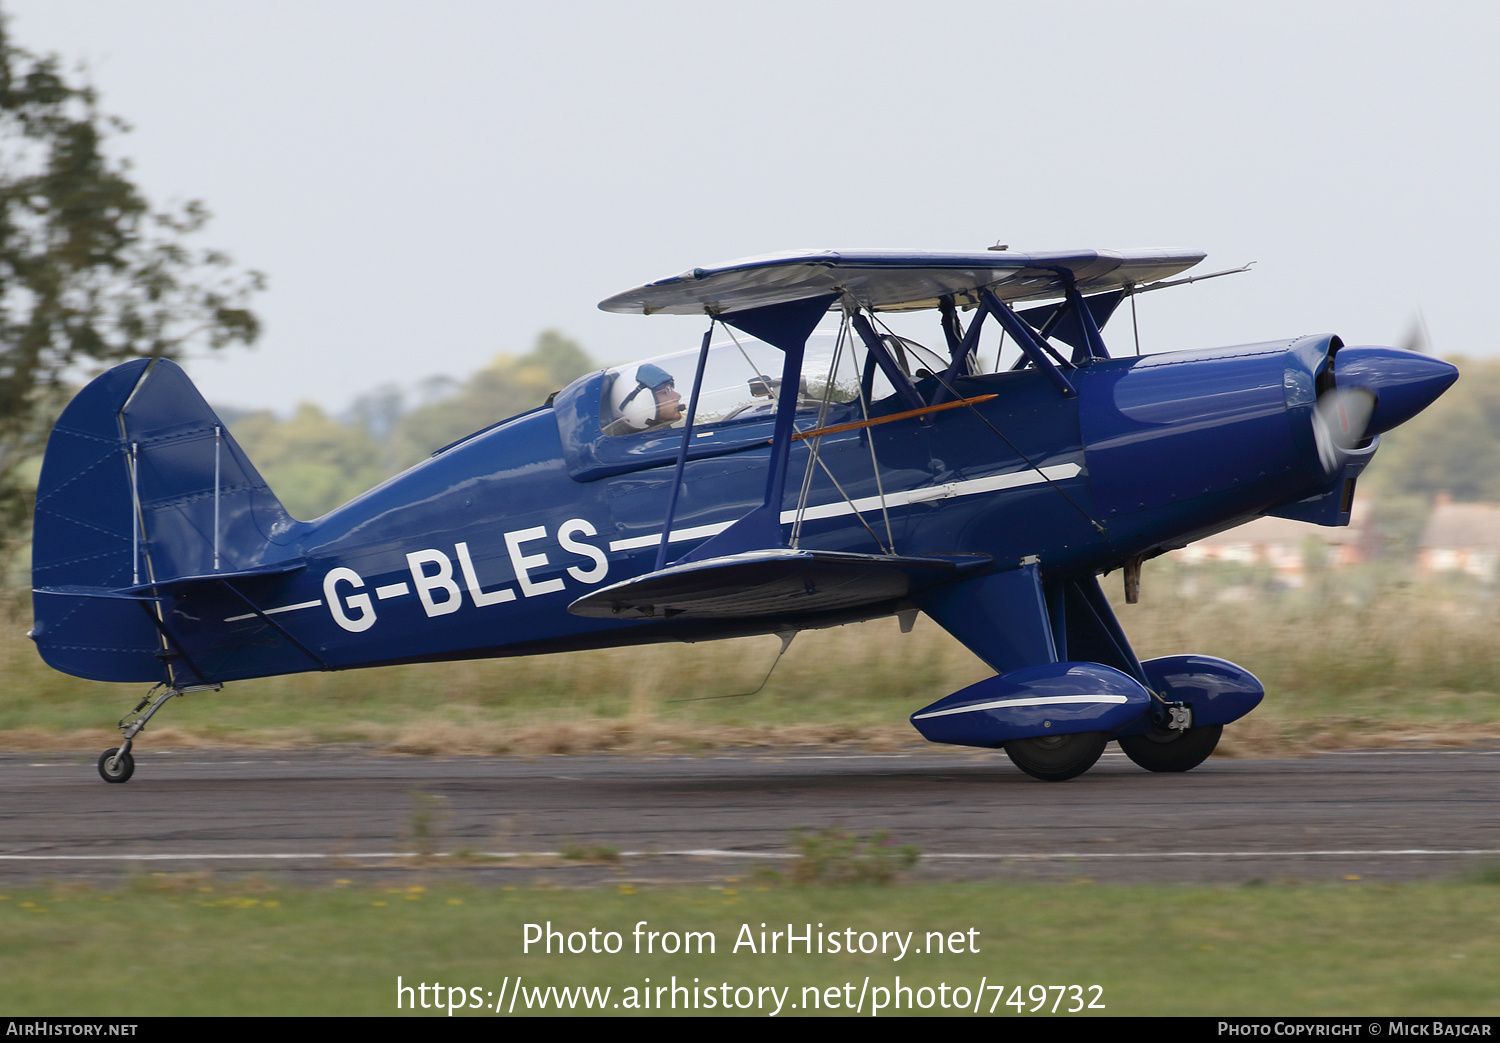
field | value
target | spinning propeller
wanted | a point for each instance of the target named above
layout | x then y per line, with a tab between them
1373	389
1339	422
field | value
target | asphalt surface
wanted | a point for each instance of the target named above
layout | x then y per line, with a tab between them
311	816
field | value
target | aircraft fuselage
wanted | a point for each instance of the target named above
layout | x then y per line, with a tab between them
478	551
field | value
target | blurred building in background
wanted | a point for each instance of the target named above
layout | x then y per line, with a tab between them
1462	538
1288	547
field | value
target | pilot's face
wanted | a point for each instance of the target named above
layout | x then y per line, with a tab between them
668	405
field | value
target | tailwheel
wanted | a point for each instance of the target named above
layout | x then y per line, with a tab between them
116	765
1055	758
1164	750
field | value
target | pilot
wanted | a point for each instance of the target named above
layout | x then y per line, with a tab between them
646	399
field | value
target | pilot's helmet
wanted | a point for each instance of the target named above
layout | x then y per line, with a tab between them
633	397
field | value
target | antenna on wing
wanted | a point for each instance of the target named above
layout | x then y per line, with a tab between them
1131	289
786	637
1163	284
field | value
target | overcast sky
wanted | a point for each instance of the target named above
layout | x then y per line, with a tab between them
429	184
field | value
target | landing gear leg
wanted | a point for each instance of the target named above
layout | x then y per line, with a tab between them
116	764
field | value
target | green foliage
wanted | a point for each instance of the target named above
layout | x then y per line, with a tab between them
1452	447
221	946
89	273
505	387
573	851
837	856
425	812
311	461
315	463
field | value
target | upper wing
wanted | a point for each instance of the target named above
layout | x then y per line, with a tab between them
891	280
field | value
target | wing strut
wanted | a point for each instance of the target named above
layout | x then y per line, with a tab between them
785	326
815	439
962	349
687	440
1062	320
1092	346
970	402
1027	340
893	372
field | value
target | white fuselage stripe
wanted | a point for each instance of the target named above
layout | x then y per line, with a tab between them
273	611
678	535
999	704
972	487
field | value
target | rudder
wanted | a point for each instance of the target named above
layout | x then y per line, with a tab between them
141	483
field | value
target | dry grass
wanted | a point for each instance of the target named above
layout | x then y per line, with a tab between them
603	736
1369	663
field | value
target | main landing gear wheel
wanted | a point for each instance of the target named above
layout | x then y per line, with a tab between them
1055	758
115	766
1161	750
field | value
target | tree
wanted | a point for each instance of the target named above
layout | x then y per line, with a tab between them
1453	447
315	463
90	274
312	462
507	386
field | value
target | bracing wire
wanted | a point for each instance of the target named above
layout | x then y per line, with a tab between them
814	456
1013	447
864	408
786	642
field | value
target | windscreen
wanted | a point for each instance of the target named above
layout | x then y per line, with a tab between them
742	381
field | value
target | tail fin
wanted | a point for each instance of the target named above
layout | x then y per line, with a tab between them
141	484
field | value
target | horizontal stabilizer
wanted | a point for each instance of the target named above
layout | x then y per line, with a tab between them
772	582
159	590
277	568
79	591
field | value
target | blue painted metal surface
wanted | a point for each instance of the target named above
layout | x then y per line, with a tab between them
1054	699
682	451
161	555
1061	322
1002	616
1219	692
1406	381
1030	342
786	326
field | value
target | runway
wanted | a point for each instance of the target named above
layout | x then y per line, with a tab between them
311	816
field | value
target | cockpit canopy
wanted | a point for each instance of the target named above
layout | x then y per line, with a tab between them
741	380
632	416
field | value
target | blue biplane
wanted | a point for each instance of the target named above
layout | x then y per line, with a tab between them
819	470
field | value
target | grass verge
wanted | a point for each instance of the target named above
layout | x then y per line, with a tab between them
196	944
